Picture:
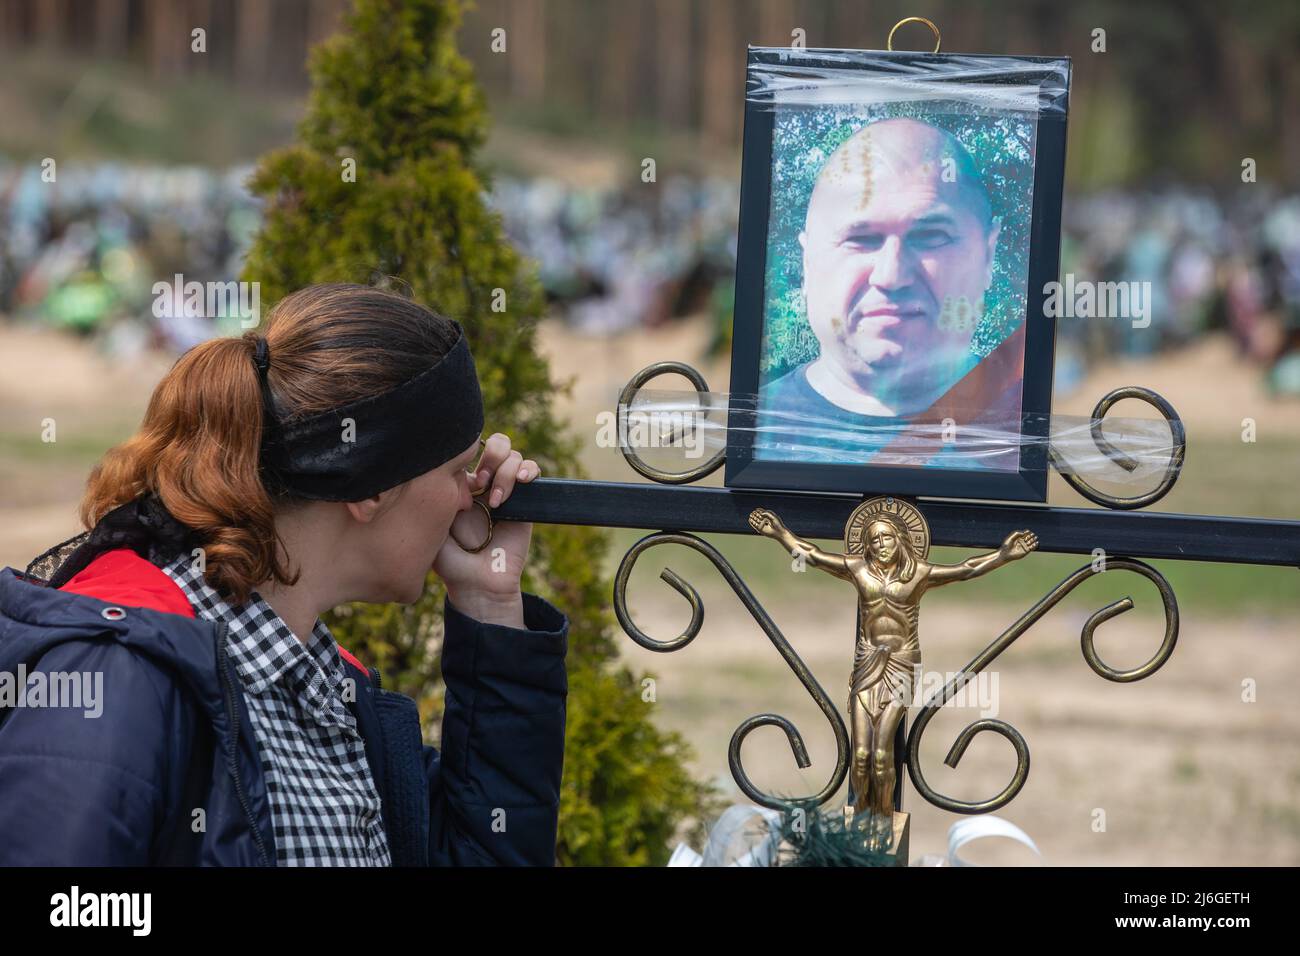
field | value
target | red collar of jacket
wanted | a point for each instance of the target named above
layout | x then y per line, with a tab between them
122	576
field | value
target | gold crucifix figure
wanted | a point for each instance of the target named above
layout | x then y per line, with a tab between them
886	543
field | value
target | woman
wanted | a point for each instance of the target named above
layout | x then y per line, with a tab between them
273	478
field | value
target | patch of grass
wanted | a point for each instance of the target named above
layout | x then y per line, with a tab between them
1225	476
74	106
1198	586
626	143
1186	769
72	449
1281	816
761	563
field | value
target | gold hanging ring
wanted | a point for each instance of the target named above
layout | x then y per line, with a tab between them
889	44
487	513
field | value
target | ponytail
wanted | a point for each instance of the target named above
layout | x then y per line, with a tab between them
197	450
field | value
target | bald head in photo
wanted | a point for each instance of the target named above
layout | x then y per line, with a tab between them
898	247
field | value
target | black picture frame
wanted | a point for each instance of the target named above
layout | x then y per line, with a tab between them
1029	483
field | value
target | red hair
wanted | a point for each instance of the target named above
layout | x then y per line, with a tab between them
198	446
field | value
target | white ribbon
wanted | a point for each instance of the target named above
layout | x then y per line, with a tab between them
976	828
757	832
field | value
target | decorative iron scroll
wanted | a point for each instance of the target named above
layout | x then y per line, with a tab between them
1005	640
778	640
1172	470
634	385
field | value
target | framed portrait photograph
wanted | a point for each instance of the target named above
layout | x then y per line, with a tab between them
899	225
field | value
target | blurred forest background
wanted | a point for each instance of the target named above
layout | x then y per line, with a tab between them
154	143
1169	100
1182	92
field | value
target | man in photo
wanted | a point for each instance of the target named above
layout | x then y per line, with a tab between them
899	242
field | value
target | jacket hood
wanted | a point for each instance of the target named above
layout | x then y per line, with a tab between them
118	587
118	596
64	594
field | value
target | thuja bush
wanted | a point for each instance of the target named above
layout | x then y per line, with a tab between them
383	181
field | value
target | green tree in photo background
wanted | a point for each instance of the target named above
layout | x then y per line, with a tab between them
1002	147
392	94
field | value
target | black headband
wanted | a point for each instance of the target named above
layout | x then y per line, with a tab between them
358	450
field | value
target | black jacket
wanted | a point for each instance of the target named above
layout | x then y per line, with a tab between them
169	773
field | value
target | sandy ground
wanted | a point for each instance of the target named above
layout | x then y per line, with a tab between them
1184	771
1178	769
90	398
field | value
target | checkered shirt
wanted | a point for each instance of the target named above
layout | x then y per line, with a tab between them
324	806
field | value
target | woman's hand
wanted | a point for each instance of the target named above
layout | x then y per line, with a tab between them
485	586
